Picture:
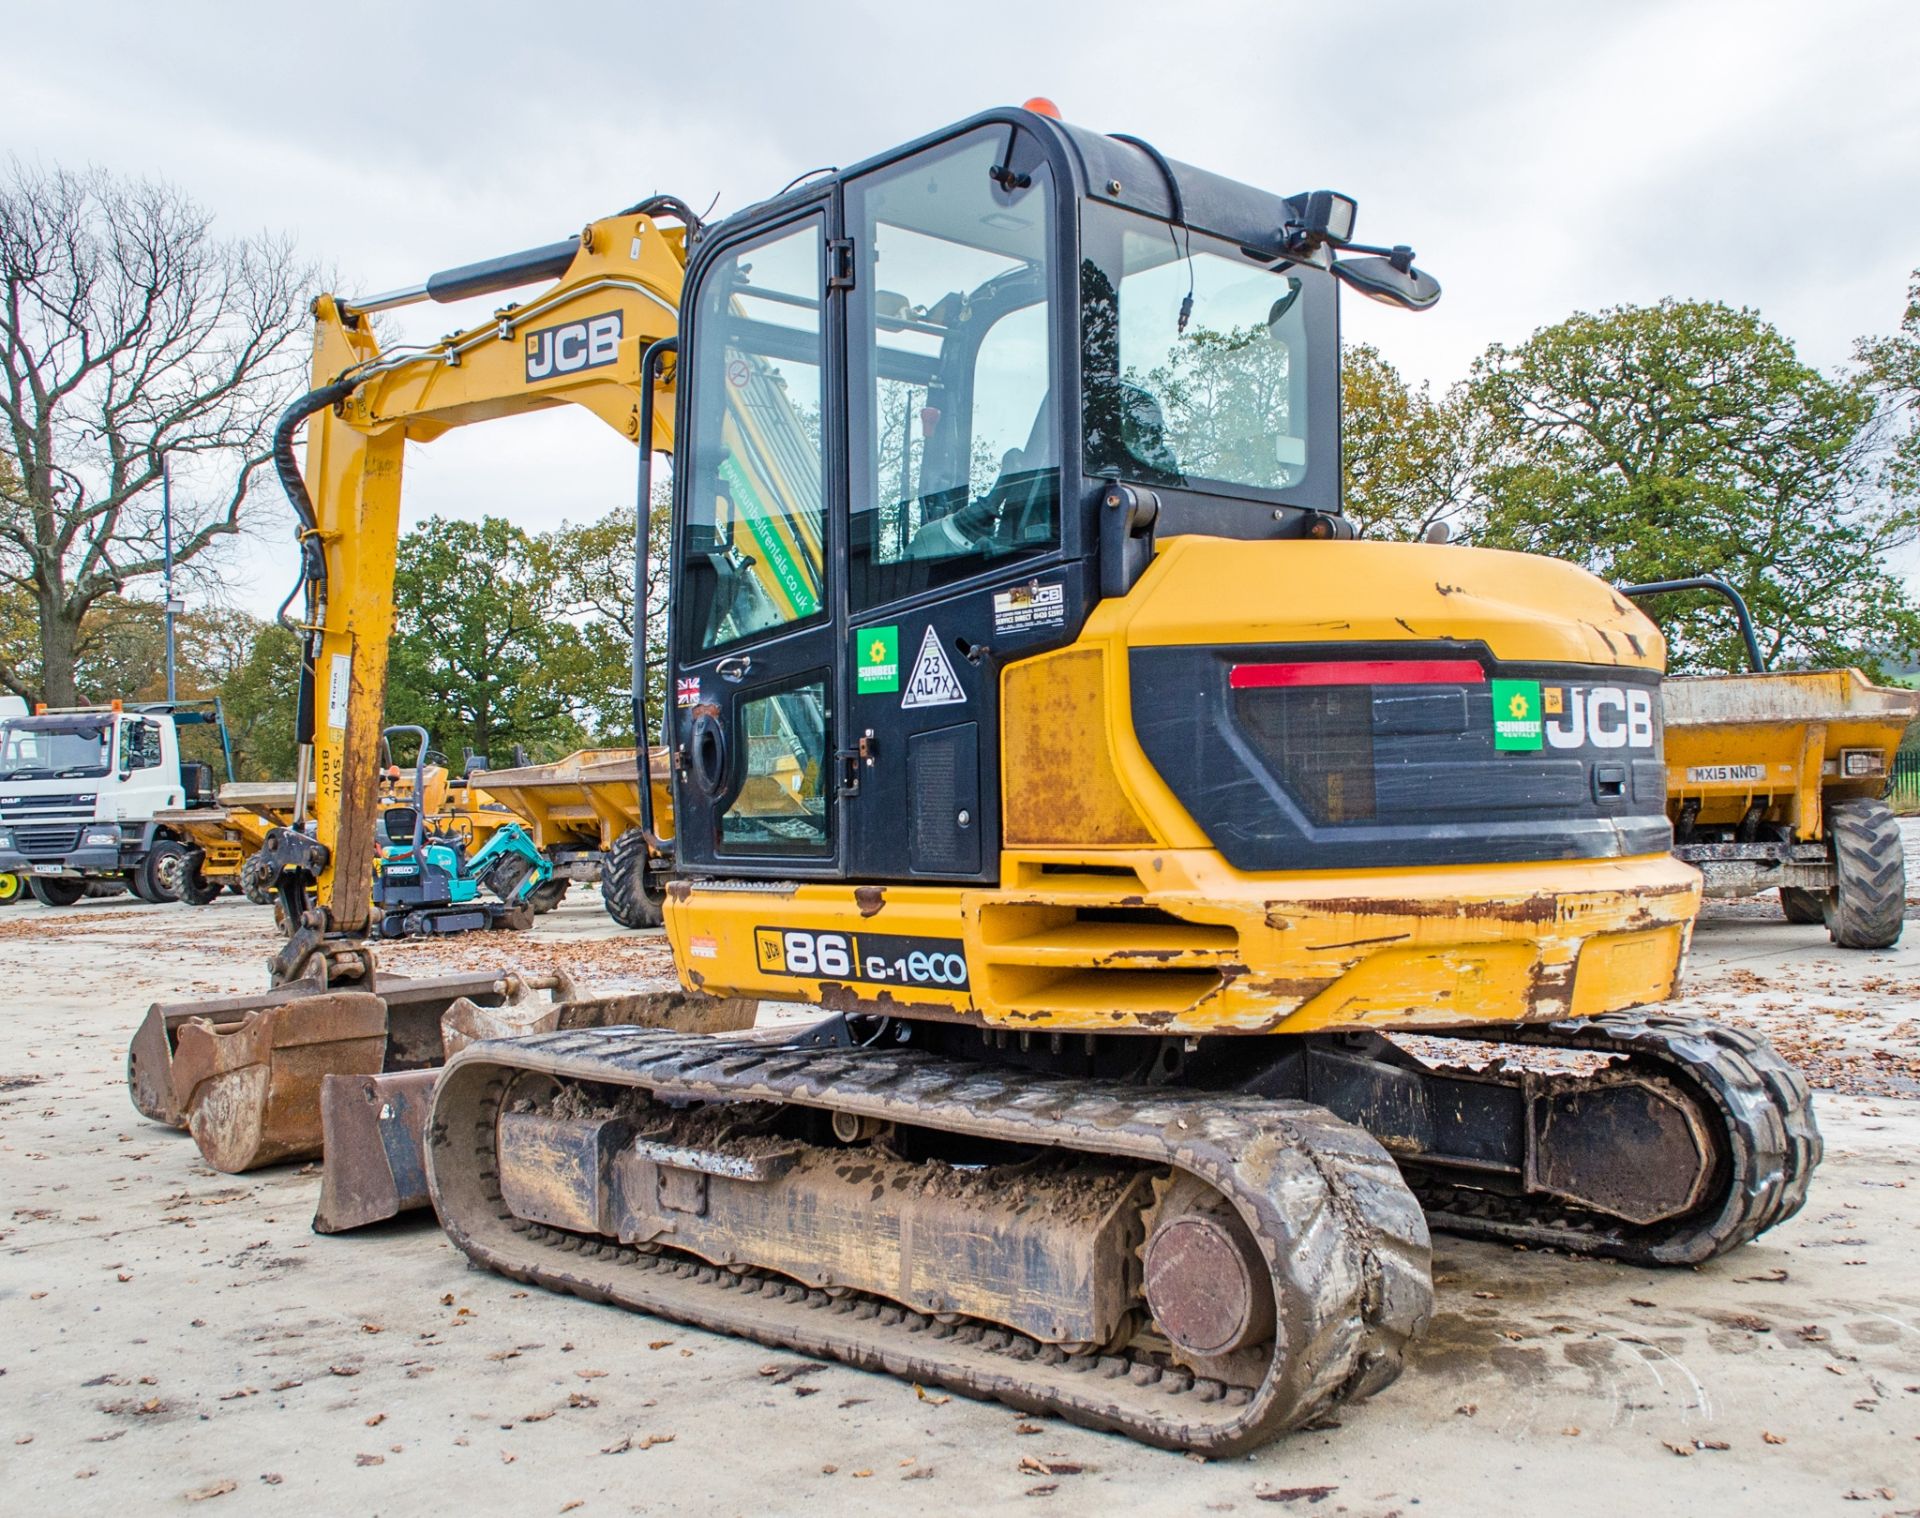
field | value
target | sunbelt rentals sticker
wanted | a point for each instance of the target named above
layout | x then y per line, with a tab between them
876	662
1516	714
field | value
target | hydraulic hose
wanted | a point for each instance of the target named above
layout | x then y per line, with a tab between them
666	205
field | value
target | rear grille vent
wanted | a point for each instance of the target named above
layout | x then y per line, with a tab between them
1098	958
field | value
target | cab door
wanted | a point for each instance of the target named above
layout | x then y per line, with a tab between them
753	690
955	559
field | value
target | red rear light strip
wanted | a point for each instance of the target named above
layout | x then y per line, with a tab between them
1358	672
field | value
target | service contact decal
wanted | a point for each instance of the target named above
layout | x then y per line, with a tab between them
885	959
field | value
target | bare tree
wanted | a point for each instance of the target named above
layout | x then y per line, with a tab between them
129	334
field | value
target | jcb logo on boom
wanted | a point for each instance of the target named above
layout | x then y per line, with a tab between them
586	344
1606	716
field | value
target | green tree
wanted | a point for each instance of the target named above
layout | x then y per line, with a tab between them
260	694
1407	460
1653	442
594	564
1892	366
130	336
484	656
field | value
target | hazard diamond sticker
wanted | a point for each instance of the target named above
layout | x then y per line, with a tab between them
933	682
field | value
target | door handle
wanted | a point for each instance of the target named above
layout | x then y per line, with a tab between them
853	760
734	668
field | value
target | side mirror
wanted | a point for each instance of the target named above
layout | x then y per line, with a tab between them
1382	279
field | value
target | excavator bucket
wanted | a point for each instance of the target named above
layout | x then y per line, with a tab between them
251	1091
243	1074
374	1126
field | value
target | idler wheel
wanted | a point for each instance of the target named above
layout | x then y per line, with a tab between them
1205	1282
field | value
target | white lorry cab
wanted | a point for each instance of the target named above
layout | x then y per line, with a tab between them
79	789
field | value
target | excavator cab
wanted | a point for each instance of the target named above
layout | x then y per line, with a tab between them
908	393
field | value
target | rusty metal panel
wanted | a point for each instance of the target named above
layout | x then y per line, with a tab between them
1057	774
373	1129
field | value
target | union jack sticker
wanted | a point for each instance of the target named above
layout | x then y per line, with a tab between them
687	692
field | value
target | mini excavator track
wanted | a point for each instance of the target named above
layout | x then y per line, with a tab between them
1756	1107
1247	1264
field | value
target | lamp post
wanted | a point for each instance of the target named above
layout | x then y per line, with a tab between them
166	548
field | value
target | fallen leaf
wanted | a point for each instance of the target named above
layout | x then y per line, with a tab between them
1044	1491
373	1328
925	1396
237	1394
376	1420
861	1475
663	1343
343	1370
853	1401
127	1275
1773	1438
590	1375
568	1507
1485	1296
447	1300
653	1439
271	1478
1026	1428
1836	1370
506	1459
1685	1450
540	1417
1467	1409
216	1489
1297	1494
1642	1302
369	1459
1711	1444
619	1447
581	1399
1774	1276
828	1470
1747	1321
1572	1430
285	1385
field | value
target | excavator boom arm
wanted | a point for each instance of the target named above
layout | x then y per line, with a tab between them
578	342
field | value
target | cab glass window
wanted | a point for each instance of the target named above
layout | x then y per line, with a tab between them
781	806
140	746
955	424
753	541
1198	359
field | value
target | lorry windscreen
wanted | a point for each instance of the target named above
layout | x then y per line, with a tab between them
40	747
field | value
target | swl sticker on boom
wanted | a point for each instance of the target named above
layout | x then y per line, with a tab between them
934	683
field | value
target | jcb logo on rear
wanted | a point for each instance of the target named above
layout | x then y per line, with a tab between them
1607	716
586	344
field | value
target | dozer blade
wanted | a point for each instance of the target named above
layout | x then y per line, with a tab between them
374	1126
414	1009
373	1167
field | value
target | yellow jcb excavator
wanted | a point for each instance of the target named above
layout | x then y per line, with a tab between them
1035	716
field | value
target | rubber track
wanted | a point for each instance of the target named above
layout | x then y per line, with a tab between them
1771	1144
1870	873
1345	1240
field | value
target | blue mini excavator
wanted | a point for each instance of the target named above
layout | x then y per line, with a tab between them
425	883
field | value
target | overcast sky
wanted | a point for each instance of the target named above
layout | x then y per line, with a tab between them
1541	157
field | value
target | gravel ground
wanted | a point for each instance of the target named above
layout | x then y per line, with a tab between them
175	1339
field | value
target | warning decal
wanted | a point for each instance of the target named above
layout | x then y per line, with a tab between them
933	683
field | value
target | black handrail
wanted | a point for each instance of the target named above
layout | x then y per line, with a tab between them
1720	588
642	532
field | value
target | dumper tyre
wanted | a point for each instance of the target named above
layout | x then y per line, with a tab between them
623	883
548	895
255	884
195	889
12	889
1870	874
56	890
1797	904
